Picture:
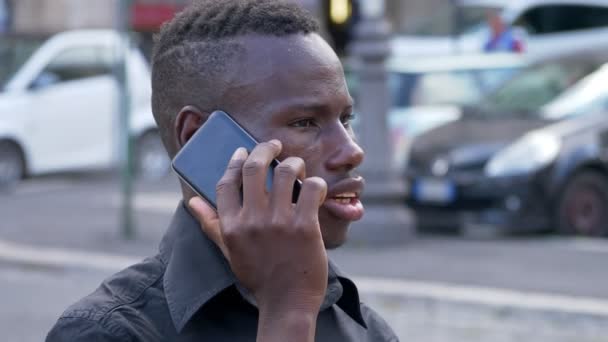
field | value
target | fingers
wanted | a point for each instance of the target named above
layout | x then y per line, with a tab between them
285	174
228	188
209	221
255	170
312	196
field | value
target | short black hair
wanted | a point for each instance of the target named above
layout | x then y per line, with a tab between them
197	46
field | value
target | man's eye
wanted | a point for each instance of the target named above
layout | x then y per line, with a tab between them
304	123
346	119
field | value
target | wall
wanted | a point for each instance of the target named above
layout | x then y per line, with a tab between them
403	13
49	16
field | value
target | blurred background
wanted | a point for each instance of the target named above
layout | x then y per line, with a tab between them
485	125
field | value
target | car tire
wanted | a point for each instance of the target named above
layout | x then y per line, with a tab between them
12	166
583	206
151	159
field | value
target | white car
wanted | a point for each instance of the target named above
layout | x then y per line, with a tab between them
59	109
546	26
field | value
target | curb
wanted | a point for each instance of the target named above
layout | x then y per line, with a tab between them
416	310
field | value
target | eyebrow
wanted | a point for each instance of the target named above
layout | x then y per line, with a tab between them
316	107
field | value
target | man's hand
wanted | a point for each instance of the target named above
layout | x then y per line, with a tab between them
274	247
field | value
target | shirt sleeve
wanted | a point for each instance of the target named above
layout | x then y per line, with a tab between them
77	329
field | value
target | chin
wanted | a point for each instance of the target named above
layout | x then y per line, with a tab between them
334	236
329	245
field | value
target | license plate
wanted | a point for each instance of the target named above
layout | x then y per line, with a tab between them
434	190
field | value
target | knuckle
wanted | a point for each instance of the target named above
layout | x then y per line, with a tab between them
252	167
250	223
286	170
223	185
303	226
277	221
230	236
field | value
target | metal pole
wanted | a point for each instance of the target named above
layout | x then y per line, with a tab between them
386	220
455	27
127	223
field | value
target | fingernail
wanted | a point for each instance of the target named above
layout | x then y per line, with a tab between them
276	142
240	153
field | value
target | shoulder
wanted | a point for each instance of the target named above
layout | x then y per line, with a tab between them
377	326
114	309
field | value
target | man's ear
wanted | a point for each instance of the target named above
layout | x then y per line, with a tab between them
187	122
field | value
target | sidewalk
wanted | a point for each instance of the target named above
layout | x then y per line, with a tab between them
417	311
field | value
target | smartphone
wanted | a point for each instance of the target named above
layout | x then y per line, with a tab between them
202	161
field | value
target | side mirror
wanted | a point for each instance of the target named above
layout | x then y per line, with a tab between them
45	79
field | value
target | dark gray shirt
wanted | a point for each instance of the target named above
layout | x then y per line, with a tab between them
188	293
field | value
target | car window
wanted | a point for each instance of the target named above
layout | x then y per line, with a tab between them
491	79
79	63
563	18
448	21
445	88
14	52
458	87
536	86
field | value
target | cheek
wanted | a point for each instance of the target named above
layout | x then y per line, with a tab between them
305	147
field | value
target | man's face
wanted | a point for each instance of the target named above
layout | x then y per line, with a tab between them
293	89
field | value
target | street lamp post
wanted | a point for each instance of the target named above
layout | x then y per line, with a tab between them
125	146
386	219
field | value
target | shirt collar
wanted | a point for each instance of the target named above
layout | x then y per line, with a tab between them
197	271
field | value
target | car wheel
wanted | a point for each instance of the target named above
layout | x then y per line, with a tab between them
151	159
11	165
583	206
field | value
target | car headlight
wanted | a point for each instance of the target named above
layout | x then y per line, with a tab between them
531	152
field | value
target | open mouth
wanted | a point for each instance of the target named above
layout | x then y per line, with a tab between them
345	206
345	198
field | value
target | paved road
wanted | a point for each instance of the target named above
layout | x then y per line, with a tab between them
80	213
33	298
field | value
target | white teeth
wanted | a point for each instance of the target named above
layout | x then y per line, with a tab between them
346	194
344	198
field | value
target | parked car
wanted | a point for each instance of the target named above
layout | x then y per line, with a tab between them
532	156
546	26
59	109
426	93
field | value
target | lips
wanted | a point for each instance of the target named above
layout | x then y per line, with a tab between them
342	200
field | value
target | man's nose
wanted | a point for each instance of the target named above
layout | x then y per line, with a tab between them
346	154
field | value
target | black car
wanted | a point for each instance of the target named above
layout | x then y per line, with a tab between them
533	156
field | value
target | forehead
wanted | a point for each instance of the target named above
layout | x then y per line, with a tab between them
263	55
278	69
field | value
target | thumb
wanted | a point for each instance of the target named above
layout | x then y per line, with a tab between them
209	221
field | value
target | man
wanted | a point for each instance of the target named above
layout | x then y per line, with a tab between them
502	38
257	269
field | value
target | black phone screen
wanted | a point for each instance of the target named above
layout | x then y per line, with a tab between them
202	161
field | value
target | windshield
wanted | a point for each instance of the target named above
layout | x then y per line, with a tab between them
449	21
452	87
13	53
536	86
586	97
